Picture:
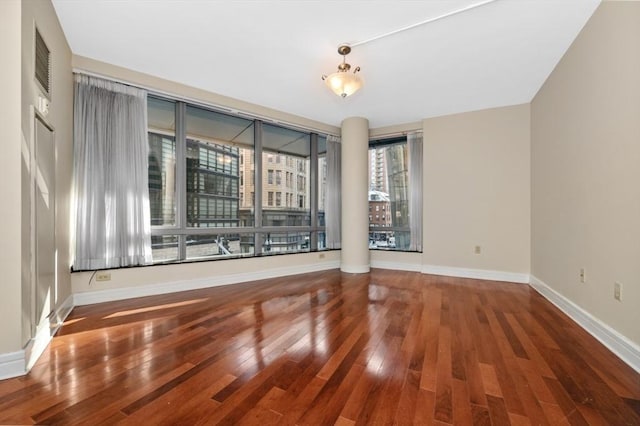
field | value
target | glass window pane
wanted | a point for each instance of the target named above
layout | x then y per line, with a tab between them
401	240
215	144
286	184
389	196
285	242
322	238
219	160
322	179
247	187
202	246
219	245
164	248
162	162
398	183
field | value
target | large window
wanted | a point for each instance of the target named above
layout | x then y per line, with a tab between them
209	200
389	195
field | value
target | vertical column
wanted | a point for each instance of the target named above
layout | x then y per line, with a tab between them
355	196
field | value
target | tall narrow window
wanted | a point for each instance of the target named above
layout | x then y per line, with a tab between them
389	193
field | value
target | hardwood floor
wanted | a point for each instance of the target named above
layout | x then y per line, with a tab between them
382	348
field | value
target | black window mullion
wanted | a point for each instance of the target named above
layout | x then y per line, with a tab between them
257	145
313	191
181	177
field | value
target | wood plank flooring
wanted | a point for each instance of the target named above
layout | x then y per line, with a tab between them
327	348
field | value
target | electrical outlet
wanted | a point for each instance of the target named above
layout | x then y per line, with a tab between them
617	291
103	276
477	249
583	276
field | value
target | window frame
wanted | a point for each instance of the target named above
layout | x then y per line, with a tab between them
258	179
373	229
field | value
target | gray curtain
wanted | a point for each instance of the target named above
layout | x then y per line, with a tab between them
112	217
334	193
414	145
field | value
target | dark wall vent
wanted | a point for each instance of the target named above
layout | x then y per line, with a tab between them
43	64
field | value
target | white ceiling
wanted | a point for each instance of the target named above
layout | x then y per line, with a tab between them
273	53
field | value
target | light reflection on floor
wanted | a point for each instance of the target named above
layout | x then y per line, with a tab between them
155	308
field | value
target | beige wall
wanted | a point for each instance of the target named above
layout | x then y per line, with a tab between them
586	169
10	164
40	14
389	259
189	93
477	190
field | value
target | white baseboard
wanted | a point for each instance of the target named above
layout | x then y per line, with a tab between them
12	365
355	269
396	266
45	332
19	363
479	274
624	348
109	295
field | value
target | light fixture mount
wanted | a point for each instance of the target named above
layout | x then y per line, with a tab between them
343	83
344	49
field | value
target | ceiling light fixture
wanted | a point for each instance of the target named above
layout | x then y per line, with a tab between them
343	83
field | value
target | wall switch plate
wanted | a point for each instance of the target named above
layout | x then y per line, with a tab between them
103	276
583	276
617	291
477	249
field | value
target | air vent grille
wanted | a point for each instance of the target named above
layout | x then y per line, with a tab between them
43	64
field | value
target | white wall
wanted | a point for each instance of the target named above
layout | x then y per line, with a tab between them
477	191
586	170
10	164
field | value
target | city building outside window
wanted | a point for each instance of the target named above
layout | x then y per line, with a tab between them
389	193
199	185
